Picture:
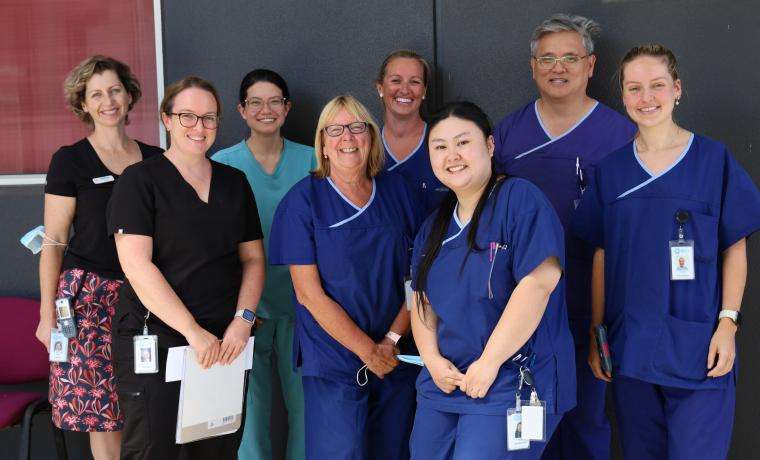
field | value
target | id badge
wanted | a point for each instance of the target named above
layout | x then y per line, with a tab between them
682	260
408	294
59	347
515	440
146	354
534	420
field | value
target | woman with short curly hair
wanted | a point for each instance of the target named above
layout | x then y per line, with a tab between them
83	269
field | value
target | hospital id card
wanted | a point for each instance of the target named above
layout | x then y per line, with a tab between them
534	420
515	440
59	347
146	354
682	260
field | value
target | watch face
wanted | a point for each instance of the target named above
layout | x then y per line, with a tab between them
249	316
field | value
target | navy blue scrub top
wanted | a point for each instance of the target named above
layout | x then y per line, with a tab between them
418	172
522	221
362	255
660	330
561	166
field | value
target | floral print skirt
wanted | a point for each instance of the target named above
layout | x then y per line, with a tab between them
82	390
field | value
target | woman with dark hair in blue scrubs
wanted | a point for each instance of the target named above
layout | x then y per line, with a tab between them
346	232
487	269
669	213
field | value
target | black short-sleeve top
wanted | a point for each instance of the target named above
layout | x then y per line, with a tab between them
195	244
76	171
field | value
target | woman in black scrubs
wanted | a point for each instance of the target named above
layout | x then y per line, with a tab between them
100	91
189	241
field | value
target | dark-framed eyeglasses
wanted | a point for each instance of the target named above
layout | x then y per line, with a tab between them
356	127
548	62
276	103
189	120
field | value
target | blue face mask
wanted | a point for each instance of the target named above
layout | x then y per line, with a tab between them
411	359
34	238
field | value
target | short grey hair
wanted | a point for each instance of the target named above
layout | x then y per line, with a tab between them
561	22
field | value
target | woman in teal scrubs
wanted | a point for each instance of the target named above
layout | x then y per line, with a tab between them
272	164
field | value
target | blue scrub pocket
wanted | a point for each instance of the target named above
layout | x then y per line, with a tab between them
682	348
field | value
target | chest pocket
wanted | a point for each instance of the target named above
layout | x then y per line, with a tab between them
496	275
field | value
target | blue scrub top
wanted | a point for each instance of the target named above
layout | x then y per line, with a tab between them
362	255
520	219
419	175
660	330
524	148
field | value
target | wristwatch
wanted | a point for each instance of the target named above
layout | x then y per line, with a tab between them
733	315
393	337
247	315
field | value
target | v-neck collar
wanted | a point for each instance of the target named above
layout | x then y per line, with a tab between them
458	223
553	139
359	210
652	175
393	156
256	163
94	153
190	187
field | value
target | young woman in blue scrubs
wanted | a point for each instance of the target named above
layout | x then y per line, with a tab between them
401	85
487	269
346	233
669	213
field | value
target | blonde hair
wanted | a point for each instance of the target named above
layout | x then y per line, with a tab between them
351	105
75	85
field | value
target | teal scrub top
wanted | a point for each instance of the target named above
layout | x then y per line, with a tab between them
268	189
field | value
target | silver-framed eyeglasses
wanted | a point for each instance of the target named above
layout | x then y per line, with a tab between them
275	104
548	62
356	127
189	120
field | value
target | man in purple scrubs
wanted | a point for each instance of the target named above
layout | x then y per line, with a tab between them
555	142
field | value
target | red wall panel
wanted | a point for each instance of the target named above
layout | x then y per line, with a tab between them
40	42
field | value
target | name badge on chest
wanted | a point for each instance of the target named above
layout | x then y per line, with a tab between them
682	252
102	179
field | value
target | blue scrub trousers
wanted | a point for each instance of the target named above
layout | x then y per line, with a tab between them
658	422
441	435
349	422
584	432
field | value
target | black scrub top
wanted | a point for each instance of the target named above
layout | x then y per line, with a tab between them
195	244
76	171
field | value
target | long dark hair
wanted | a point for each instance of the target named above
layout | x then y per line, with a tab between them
466	111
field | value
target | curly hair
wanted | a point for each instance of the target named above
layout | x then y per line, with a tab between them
75	85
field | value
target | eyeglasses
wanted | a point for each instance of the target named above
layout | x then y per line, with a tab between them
189	120
276	103
356	127
548	62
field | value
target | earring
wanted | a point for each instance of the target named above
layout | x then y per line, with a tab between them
678	101
324	155
423	97
380	95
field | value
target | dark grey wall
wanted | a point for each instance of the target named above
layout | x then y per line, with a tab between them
481	51
322	49
483	56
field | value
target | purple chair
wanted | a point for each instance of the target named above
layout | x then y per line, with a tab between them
23	360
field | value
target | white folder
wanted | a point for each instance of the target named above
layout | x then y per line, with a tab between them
210	400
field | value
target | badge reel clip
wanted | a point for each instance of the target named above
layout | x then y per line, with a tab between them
681	252
65	318
527	421
145	350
